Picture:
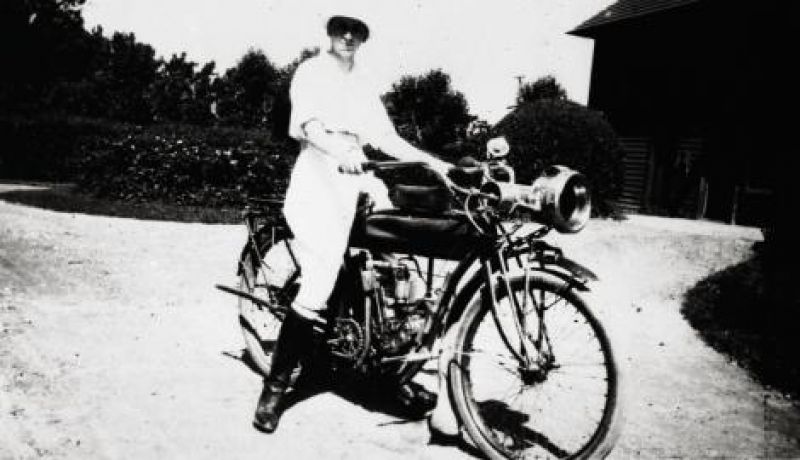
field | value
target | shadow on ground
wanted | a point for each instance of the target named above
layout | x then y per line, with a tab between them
735	313
370	394
65	198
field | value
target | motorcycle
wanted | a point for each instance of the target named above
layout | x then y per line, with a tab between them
531	370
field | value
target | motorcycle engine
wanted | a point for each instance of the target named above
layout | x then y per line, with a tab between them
405	307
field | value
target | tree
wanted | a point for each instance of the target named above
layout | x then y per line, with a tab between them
173	89
124	78
181	94
544	88
427	111
247	92
42	42
200	110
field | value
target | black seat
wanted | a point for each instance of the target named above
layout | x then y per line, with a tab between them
445	236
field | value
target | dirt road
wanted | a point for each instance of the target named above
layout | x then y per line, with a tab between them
114	344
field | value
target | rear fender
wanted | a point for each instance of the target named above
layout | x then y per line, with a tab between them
261	238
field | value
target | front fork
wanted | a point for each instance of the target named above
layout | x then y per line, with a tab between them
533	351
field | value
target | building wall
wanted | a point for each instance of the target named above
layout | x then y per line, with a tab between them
691	83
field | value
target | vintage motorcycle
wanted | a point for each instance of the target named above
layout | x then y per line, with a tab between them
531	374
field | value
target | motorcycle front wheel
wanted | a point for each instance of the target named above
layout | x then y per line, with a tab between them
563	402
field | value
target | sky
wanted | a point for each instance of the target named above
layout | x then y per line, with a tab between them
485	47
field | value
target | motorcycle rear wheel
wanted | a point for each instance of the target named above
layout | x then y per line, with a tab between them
260	326
570	409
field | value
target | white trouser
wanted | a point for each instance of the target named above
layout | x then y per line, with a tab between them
319	208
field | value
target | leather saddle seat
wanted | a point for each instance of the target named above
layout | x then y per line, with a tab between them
422	224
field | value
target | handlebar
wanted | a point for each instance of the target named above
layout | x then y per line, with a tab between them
465	195
378	165
447	182
396	164
491	196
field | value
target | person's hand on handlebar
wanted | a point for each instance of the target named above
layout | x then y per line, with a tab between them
351	162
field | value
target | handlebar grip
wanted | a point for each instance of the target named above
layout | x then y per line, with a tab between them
365	166
376	165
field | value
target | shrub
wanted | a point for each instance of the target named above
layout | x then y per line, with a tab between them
556	131
187	165
48	147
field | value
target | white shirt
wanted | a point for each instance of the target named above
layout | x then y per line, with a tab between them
346	102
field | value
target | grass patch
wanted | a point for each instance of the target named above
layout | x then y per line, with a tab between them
64	198
733	312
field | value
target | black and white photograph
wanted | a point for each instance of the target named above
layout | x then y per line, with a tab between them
406	229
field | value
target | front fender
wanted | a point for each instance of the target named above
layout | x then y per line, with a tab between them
571	272
580	271
551	259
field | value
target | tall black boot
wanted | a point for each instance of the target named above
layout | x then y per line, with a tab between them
294	342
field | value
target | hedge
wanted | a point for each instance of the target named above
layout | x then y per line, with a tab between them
187	165
222	166
48	148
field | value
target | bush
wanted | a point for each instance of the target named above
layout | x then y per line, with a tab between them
187	165
48	147
556	131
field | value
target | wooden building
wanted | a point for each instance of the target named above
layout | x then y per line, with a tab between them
691	87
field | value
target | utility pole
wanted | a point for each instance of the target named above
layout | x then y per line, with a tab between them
519	87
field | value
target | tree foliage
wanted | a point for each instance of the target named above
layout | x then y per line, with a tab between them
65	69
248	91
125	77
41	41
182	94
427	111
544	88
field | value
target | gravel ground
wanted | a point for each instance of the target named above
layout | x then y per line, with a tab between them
114	344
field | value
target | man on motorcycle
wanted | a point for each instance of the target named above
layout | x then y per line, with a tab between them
336	111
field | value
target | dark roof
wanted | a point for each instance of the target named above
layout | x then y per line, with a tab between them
627	9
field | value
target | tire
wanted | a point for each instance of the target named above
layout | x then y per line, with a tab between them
259	325
568	410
